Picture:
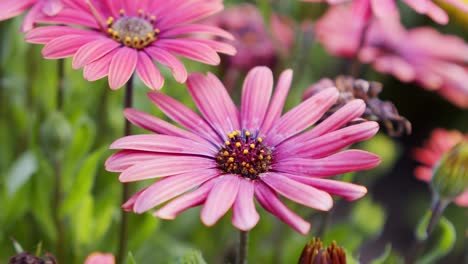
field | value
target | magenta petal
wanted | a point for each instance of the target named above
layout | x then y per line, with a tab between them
193	51
66	46
124	159
163	144
220	199
93	51
244	214
256	95
170	187
298	192
345	161
185	201
165	166
11	8
277	102
148	72
197	28
462	199
122	66
183	115
99	68
169	60
214	103
302	116
129	205
269	200
43	35
347	190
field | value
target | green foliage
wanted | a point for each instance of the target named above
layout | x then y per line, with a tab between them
21	171
368	217
191	257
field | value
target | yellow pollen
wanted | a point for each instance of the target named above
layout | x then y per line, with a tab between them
252	146
128	41
231	160
110	20
247	133
260	157
227	143
238	144
110	30
122	12
225	153
231	136
157	31
246	151
140	11
152	19
259	139
268	157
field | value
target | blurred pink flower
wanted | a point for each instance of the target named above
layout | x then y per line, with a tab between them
228	157
423	55
439	143
387	8
121	37
100	258
38	9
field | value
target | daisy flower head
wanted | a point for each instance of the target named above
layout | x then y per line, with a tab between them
38	10
227	158
439	144
117	38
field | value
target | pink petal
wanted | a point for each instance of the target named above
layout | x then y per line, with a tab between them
43	35
347	190
183	115
329	143
162	143
298	192
193	51
221	198
186	201
342	162
66	46
462	200
129	205
302	116
148	72
170	187
100	258
169	60
122	66
99	68
192	11
165	166
214	103
244	214
423	173
197	29
384	8
256	95
124	159
277	102
11	8
437	13
269	200
218	46
93	51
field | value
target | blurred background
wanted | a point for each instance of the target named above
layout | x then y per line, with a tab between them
92	119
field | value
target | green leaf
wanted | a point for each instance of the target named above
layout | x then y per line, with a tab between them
82	221
442	239
191	257
18	248
21	171
384	257
368	217
83	182
131	259
39	249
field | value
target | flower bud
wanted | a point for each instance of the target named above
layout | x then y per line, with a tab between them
55	135
27	258
451	175
313	253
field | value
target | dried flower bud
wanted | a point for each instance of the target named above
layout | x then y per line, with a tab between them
55	135
27	258
377	110
451	175
313	253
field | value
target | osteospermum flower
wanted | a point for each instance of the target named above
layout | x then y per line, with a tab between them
121	37
100	258
385	8
228	158
440	142
38	10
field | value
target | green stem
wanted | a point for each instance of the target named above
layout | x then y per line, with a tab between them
123	234
243	247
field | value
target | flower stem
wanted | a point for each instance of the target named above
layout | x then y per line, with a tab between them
123	234
61	84
243	247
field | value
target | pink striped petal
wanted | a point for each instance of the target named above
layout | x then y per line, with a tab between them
197	29
93	51
124	159
184	202
329	143
169	60
129	205
277	102
99	68
221	198
148	72
43	35
298	192
214	103
436	13
165	166
11	8
162	143
192	11
345	161
256	95
122	66
170	187
302	116
462	199
193	51
384	8
269	200
158	126
66	46
244	214
218	46
347	190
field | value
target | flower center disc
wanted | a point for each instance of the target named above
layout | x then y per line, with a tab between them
245	155
134	32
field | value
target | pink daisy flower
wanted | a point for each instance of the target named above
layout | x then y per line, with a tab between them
38	10
439	143
385	8
100	258
228	158
121	37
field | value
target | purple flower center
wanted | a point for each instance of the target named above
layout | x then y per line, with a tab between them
244	154
133	31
